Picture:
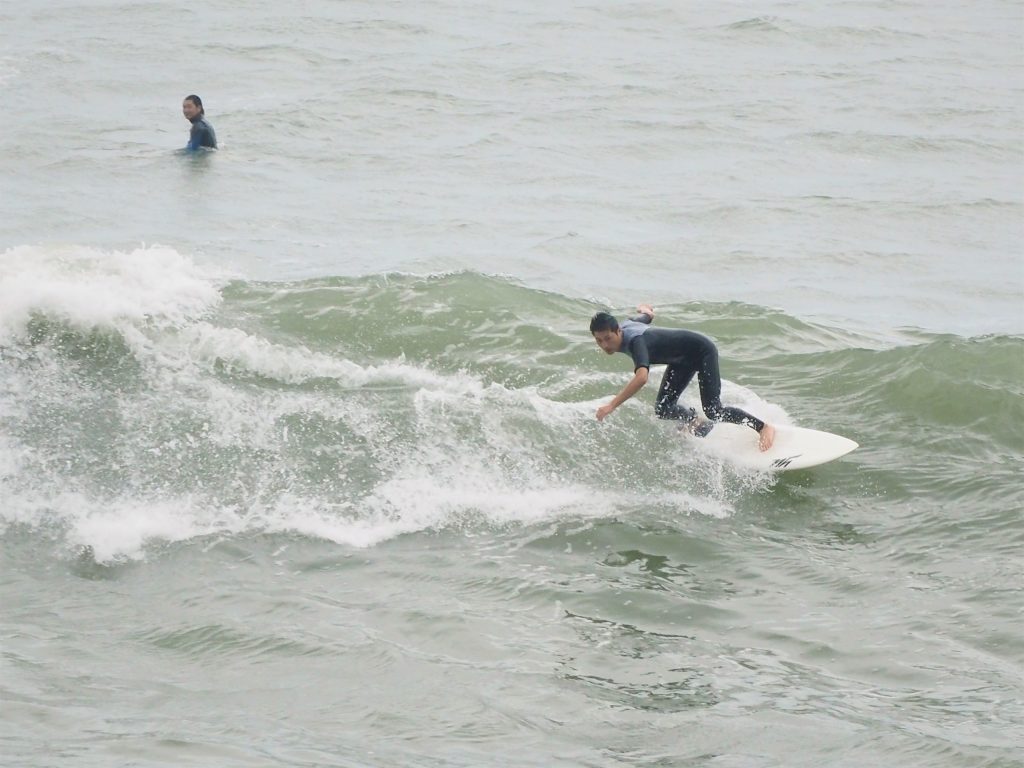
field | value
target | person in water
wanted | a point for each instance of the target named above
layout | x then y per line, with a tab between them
202	135
685	353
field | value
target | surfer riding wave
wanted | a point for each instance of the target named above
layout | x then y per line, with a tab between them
686	354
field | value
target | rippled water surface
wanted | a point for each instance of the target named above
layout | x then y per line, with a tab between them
298	462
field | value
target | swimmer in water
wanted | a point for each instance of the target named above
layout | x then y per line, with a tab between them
202	135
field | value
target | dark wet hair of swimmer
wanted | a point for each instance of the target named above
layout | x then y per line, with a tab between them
197	101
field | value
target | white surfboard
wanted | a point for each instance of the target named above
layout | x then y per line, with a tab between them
793	448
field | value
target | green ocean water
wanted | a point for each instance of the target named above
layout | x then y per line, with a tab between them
299	463
317	513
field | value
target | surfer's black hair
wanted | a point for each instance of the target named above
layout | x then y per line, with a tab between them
197	101
603	321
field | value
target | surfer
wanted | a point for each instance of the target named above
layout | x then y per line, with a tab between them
202	135
685	353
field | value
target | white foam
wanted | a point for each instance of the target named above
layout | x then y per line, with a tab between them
427	489
465	392
153	289
437	480
702	505
123	528
467	462
427	498
12	462
91	288
204	344
113	530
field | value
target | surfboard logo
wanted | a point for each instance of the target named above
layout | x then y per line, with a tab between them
784	462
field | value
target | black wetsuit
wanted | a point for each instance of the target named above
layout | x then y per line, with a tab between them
202	135
685	353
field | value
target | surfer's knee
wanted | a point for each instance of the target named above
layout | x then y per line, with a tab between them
663	410
665	405
713	410
674	411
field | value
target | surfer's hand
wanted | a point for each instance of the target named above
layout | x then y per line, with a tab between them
603	411
646	309
767	437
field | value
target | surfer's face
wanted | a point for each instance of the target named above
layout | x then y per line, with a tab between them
189	109
609	341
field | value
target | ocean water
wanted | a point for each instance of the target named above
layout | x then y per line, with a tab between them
298	457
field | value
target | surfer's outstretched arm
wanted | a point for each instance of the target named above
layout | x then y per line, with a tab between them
635	385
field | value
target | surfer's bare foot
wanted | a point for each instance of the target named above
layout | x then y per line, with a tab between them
767	437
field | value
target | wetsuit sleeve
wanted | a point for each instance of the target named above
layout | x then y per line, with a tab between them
642	318
195	139
638	351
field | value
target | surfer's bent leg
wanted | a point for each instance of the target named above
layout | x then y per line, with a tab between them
666	406
710	381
